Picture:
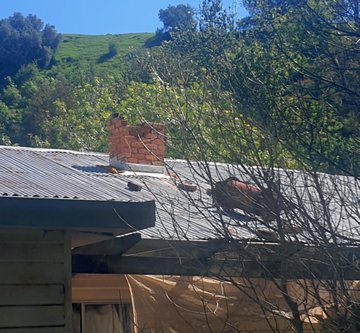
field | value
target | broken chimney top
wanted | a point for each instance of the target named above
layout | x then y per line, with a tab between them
136	148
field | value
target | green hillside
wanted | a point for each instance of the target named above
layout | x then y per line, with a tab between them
94	49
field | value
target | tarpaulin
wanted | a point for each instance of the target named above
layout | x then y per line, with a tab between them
195	304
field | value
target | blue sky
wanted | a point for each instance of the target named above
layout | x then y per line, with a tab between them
98	17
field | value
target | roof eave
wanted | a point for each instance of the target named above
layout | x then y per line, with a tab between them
78	214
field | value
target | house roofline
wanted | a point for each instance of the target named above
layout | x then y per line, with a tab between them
103	216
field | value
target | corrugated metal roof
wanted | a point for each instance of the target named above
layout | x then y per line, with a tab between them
46	173
28	172
42	173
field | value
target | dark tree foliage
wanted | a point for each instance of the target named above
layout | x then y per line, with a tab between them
310	51
25	40
173	18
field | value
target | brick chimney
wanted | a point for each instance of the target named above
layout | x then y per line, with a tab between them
136	148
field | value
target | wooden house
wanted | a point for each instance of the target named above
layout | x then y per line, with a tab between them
81	234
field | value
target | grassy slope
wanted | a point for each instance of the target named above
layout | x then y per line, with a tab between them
94	49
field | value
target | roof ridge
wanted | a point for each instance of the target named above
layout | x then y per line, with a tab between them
55	150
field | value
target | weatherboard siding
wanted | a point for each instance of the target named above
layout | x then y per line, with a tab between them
35	281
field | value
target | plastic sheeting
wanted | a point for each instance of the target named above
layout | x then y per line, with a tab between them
193	304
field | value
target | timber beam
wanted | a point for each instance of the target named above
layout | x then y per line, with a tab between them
309	269
218	258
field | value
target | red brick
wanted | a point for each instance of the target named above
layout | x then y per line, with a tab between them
126	142
121	145
150	157
137	144
141	161
151	146
133	131
131	160
158	142
130	138
149	136
143	151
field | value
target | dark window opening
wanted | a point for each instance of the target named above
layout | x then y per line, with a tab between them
101	318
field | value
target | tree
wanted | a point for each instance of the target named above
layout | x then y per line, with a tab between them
51	109
286	79
315	76
177	17
180	17
24	40
276	97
